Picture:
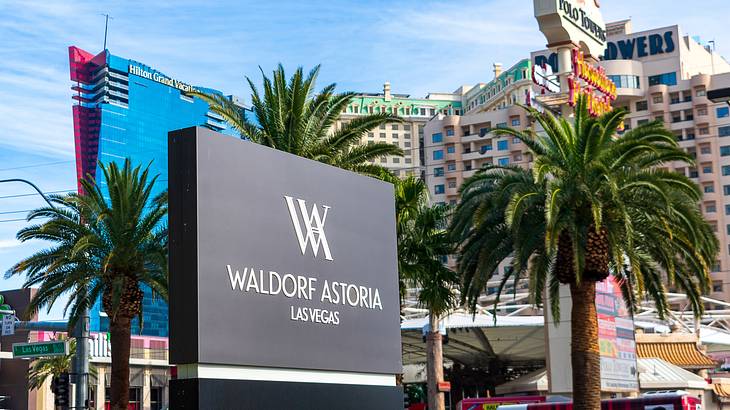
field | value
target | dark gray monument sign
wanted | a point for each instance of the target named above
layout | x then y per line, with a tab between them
283	280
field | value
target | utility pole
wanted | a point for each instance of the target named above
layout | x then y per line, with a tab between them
80	331
106	26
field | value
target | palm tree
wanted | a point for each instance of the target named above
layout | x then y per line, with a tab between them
52	366
422	243
101	248
290	117
44	367
595	204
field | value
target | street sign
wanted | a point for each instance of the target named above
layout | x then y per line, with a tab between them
8	325
40	349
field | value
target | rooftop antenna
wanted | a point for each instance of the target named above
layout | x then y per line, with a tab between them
106	26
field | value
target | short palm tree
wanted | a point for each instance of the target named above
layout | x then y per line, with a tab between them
423	242
52	366
101	245
595	204
291	117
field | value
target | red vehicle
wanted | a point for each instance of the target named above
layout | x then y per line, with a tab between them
669	401
492	403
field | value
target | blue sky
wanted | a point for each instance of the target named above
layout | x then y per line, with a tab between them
419	46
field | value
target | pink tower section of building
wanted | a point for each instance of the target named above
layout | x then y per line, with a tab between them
86	114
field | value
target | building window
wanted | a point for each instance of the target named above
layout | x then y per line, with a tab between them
156	398
408	160
724	131
727	209
515	122
710	208
449	132
394	127
483	131
394	135
717	286
707	169
705	149
407	144
503	162
451	167
438	137
407	136
451	149
502	145
439	189
438	154
657	99
502	125
722	112
666	78
383	160
485	148
725	150
625	81
726	190
708	189
371	135
701	92
642	105
704	131
406	127
396	160
726	170
382	135
702	111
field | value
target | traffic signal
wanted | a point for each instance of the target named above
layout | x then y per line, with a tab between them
61	390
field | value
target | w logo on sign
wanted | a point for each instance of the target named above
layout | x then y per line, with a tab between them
313	225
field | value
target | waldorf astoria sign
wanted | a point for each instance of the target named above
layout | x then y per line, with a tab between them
283	279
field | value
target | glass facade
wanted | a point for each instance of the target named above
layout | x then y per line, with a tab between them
124	109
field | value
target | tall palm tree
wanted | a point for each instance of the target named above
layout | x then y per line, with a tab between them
291	117
101	246
595	204
422	243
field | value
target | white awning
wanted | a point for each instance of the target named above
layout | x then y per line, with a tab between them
475	339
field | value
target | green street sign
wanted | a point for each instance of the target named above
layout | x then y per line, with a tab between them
40	349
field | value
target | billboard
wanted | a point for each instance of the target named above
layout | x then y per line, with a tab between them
277	261
619	371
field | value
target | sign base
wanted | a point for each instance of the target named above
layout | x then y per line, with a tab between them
187	394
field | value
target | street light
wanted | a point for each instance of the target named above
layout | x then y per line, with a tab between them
80	331
25	181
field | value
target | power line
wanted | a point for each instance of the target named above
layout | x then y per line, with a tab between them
15	212
35	165
12	220
35	194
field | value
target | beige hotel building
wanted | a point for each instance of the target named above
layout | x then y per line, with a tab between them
660	74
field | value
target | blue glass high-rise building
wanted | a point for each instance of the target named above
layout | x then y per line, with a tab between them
124	109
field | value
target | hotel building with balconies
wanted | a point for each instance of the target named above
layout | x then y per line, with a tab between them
407	135
660	74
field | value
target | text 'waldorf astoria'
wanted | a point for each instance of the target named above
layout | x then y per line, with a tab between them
331	294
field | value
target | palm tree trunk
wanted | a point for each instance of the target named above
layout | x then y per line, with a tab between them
121	332
434	364
584	350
